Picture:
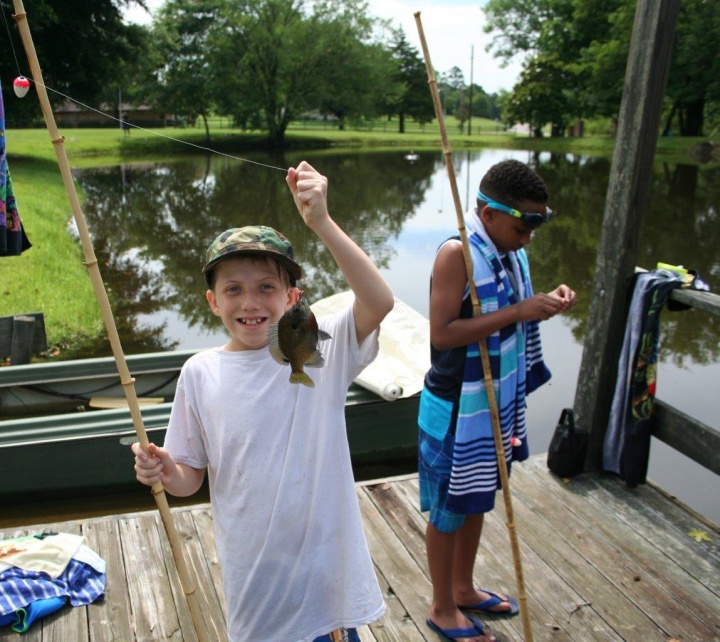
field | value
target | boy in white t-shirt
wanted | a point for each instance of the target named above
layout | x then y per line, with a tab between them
290	539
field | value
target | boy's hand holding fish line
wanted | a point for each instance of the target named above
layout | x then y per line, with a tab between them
373	297
287	523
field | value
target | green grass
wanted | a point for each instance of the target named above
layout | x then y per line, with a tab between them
90	147
51	278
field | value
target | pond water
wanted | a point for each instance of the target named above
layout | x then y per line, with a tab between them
151	223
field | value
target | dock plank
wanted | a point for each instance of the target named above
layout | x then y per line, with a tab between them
153	607
627	559
595	570
600	562
396	566
108	618
205	588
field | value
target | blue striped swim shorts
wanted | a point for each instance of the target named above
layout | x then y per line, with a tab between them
434	467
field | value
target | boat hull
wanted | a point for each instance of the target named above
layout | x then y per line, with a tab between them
78	454
70	386
71	448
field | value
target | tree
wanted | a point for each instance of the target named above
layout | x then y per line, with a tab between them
553	36
279	59
354	89
125	86
412	96
694	80
182	75
588	41
539	99
452	89
81	65
354	68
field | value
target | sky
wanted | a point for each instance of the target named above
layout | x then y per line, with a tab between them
453	32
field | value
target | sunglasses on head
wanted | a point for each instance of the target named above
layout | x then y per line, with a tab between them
531	219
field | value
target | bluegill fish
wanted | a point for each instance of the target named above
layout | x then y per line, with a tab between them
294	340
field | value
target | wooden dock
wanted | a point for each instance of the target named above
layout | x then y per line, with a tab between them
600	563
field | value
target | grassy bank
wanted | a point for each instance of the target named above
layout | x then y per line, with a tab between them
51	278
87	147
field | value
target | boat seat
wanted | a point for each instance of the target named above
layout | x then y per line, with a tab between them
121	402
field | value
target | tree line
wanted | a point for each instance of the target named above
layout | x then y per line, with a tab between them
574	55
265	63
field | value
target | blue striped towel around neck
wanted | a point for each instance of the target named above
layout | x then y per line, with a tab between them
517	367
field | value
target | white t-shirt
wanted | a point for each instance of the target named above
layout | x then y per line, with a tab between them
287	523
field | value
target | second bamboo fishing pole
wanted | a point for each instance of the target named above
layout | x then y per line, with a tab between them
489	387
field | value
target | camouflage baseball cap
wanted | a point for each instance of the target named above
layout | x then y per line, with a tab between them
253	239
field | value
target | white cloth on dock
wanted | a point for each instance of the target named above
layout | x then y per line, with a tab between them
50	555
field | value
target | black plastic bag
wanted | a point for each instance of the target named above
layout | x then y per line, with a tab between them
568	447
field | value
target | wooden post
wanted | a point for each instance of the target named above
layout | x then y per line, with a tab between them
21	336
627	196
21	347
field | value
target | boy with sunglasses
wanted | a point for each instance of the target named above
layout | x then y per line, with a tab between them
457	462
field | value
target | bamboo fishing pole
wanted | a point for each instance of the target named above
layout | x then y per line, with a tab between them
91	263
489	387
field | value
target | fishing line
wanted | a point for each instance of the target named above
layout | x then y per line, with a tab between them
156	133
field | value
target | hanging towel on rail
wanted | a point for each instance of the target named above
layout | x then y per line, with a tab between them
627	441
13	240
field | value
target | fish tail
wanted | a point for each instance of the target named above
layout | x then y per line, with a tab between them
301	377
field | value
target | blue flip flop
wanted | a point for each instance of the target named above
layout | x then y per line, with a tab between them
487	605
453	634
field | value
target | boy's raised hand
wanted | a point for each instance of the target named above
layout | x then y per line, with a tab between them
309	190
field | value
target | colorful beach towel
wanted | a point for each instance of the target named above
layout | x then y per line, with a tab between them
626	450
39	574
517	369
12	235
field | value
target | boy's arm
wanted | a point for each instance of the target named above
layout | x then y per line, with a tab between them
373	297
448	330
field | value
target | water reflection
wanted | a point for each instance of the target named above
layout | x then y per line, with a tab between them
152	222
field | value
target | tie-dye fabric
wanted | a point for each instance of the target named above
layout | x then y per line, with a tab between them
12	236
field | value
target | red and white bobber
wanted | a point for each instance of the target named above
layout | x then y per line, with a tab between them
21	86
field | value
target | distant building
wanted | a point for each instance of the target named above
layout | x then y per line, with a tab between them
70	114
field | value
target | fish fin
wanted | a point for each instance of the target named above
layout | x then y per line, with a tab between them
274	346
316	360
323	336
301	377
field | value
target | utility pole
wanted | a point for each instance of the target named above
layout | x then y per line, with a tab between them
472	58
